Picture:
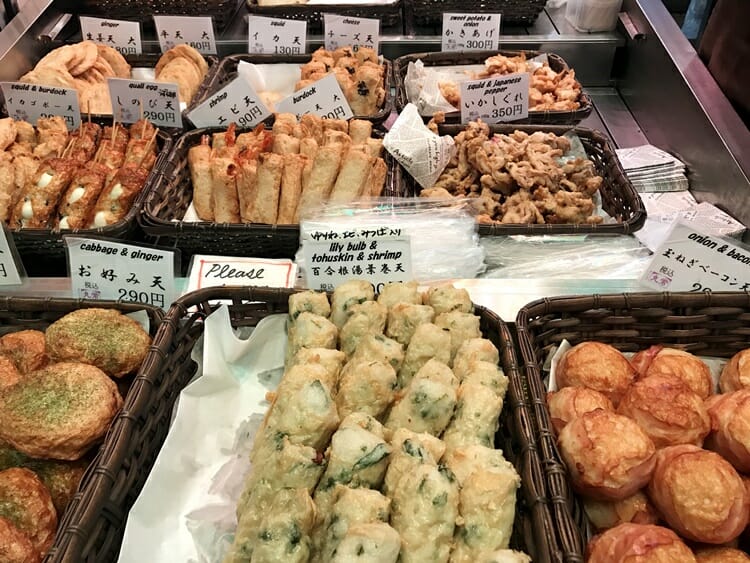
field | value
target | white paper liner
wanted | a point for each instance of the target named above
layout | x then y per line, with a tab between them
186	510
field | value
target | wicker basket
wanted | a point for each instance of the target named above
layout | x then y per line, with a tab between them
547	117
429	13
388	14
619	197
43	250
96	488
221	11
226	71
167	202
710	324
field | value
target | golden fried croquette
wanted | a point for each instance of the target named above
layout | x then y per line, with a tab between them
26	502
8	372
25	348
15	546
104	338
58	412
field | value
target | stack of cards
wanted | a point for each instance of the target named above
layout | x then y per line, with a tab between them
652	170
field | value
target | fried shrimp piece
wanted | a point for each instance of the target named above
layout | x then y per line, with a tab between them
15	546
25	349
199	159
104	338
26	503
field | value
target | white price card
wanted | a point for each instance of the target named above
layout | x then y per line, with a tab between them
471	32
378	255
125	36
494	100
276	36
156	101
11	268
213	271
104	269
196	31
688	260
237	102
323	97
29	102
346	31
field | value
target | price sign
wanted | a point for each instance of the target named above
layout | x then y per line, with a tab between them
379	255
276	36
103	269
323	97
691	261
236	103
471	32
213	271
11	268
495	99
345	31
29	102
198	32
122	35
156	101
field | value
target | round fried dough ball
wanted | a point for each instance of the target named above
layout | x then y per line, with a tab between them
25	501
58	412
608	514
25	348
571	402
638	543
104	338
670	361
667	410
608	455
699	494
15	546
597	366
730	427
736	373
9	374
721	555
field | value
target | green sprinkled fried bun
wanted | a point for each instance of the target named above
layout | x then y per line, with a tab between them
15	546
104	338
58	412
26	503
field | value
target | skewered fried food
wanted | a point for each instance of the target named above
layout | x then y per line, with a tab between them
26	503
118	197
79	200
39	199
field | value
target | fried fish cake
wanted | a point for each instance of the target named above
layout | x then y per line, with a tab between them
11	457
26	502
8	372
58	412
104	338
25	348
15	546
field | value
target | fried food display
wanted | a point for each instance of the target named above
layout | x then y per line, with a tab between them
519	178
549	90
104	338
644	543
360	75
27	505
364	445
58	412
270	177
86	179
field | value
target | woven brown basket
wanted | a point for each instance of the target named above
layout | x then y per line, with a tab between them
73	543
226	71
429	13
388	14
221	11
547	117
43	250
166	204
710	324
619	198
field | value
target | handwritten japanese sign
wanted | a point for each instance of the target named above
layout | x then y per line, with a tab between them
495	99
103	269
471	32
691	261
345	31
122	35
29	102
323	97
158	102
379	255
236	103
10	267
276	36
198	32
213	271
